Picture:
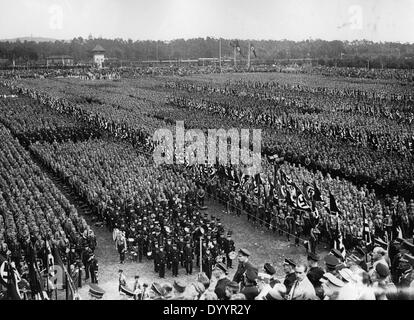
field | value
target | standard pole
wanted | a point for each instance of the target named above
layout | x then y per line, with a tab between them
201	254
220	54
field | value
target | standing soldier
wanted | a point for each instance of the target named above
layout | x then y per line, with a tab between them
175	260
154	254
94	270
228	247
121	246
188	258
161	262
168	249
180	247
140	244
207	263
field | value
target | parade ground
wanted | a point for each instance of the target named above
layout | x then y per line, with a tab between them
265	245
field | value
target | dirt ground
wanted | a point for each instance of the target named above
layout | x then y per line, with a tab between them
265	246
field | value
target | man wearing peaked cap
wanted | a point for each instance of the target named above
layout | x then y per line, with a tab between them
331	263
269	269
289	268
244	265
331	286
315	273
219	273
179	288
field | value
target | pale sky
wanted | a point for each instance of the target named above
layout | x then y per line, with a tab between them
376	20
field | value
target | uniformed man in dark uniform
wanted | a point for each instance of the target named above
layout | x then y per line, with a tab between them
271	271
207	263
228	246
140	245
315	273
188	258
250	289
168	248
220	272
161	262
175	260
180	247
244	265
155	255
289	268
94	270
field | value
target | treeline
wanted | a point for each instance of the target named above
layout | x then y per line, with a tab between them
356	53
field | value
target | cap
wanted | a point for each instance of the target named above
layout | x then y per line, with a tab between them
156	287
331	261
329	277
313	256
289	262
337	254
244	252
346	274
221	266
382	270
179	286
269	268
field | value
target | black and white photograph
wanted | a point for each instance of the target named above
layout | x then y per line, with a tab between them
228	152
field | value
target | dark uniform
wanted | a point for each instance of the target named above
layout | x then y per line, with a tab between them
94	270
208	263
175	260
161	260
243	268
289	281
228	246
188	258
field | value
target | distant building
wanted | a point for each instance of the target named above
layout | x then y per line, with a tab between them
98	56
62	60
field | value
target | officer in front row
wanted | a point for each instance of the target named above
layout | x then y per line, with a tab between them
315	273
228	246
244	265
188	258
161	260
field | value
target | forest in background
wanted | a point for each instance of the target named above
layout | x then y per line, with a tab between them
343	53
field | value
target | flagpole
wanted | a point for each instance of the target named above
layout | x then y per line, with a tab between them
220	54
201	254
248	56
235	53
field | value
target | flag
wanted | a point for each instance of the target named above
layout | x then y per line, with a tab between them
317	193
286	180
253	50
288	198
9	277
301	202
308	191
236	44
366	234
332	204
13	292
35	279
338	243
